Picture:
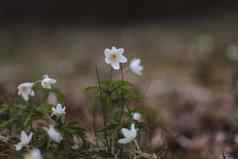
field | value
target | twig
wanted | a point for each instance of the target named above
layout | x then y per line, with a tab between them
146	155
3	139
137	145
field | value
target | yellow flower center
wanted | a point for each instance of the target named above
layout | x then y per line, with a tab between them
114	57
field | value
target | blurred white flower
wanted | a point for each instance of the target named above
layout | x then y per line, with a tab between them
136	67
232	52
136	116
54	134
58	110
25	90
129	134
47	82
24	140
33	154
114	57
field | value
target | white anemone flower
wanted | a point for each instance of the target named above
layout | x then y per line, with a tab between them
58	110
136	116
114	57
47	82
33	154
54	135
25	90
129	134
24	140
136	67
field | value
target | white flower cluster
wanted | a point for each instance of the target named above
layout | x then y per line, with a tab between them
25	140
130	134
25	90
115	57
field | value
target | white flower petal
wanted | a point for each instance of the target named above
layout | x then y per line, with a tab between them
114	49
32	93
107	52
136	116
123	59
25	90
25	97
18	146
24	136
47	82
34	154
129	134
125	132
120	50
136	67
107	60
124	141
24	140
116	66
54	134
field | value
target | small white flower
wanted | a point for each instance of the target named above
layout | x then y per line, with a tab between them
58	110
54	134
136	67
25	90
47	82
136	116
114	57
33	154
129	134
24	140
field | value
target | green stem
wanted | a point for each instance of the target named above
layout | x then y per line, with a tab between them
122	73
111	73
94	124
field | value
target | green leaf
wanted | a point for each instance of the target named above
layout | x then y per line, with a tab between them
28	121
72	128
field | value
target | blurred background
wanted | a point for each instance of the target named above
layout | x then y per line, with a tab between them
189	50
